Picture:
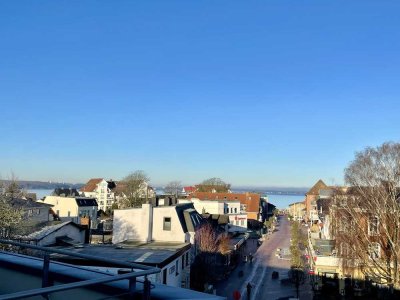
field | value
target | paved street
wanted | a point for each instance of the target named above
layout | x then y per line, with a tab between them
259	272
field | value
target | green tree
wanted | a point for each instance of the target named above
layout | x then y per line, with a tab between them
214	184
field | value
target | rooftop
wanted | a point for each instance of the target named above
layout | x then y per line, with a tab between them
45	231
25	275
152	254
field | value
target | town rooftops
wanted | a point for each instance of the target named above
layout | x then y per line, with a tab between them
91	185
189	189
22	203
157	254
320	185
189	218
45	231
83	201
251	200
66	192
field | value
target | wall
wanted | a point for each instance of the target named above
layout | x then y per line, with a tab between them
64	205
175	278
176	233
67	230
238	220
210	207
36	215
132	224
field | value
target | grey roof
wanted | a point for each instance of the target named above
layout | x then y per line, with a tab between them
22	203
45	231
154	254
188	217
83	201
66	192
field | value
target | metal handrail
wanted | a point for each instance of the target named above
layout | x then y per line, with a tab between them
73	285
70	253
68	286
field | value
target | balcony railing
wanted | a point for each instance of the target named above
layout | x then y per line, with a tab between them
48	289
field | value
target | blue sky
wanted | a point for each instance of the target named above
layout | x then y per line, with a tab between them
262	93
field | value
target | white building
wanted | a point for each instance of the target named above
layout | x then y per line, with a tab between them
233	208
172	258
102	190
67	232
164	225
72	208
161	223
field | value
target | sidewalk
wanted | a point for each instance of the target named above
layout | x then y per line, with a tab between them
234	281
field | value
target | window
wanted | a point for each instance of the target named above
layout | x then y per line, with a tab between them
187	258
183	261
177	267
242	222
167	224
69	213
235	210
172	270
374	250
373	225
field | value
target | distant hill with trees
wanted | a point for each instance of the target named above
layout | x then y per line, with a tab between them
43	185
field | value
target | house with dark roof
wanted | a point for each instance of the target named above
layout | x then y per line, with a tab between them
250	202
76	209
232	210
32	212
161	223
310	201
101	189
65	192
64	233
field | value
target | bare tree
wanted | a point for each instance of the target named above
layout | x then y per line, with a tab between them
173	188
207	239
366	216
10	217
135	188
214	184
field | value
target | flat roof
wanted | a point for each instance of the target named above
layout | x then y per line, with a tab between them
152	254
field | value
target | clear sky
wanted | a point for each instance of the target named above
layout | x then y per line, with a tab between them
260	93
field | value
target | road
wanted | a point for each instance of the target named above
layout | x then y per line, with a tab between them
266	261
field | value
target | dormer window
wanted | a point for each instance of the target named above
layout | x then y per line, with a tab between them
373	225
167	224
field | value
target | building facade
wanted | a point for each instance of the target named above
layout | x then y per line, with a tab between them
102	190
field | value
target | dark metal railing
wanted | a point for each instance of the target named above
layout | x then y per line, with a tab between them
46	289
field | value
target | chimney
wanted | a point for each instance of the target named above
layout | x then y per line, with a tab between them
147	221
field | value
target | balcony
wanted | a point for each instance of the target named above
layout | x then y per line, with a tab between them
39	278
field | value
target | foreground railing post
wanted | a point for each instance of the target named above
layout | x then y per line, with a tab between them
132	287
45	275
146	289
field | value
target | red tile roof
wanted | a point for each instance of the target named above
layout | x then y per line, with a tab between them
91	185
251	200
190	189
320	185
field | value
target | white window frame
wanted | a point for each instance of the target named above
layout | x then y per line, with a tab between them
374	250
374	231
